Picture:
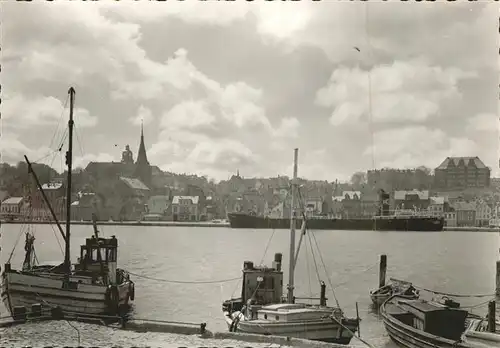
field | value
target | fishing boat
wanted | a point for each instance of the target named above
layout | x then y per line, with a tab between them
416	323
478	333
396	286
94	285
261	309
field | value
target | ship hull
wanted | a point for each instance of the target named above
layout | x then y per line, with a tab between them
25	289
324	330
240	220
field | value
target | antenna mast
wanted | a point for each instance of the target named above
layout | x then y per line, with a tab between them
292	230
69	162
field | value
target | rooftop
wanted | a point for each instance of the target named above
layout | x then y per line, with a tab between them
135	184
465	161
52	186
402	195
193	199
13	200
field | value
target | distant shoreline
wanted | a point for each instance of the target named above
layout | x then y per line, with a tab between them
128	223
203	224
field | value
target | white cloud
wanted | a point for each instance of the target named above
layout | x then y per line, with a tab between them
213	116
408	91
143	116
188	114
21	112
413	146
13	150
288	128
484	122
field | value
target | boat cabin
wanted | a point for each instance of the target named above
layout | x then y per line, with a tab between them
443	320
262	284
98	258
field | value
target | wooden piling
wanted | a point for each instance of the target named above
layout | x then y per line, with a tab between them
491	316
383	270
357	317
497	291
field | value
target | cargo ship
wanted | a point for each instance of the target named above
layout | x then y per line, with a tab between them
383	221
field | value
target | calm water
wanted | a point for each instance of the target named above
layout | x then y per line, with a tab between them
455	262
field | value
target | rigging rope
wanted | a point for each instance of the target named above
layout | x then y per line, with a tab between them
60	118
186	281
448	294
319	252
452	295
267	247
484	303
78	140
326	273
370	114
352	333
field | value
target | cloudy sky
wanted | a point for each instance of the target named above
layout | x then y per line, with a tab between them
228	86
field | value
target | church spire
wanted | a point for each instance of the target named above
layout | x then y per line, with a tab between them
142	167
141	154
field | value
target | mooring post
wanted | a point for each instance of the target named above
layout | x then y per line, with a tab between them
322	296
491	316
497	291
383	270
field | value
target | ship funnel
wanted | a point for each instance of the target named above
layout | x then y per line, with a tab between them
277	261
247	265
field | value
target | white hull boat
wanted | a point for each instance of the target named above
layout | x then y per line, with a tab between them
295	320
25	290
261	309
92	286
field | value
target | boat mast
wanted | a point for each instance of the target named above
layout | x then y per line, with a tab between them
69	162
292	229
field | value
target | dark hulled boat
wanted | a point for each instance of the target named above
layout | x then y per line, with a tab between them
376	223
381	222
415	323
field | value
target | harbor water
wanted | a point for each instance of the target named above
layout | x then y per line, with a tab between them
171	260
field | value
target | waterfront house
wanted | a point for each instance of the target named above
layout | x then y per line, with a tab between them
450	218
483	213
413	199
158	208
185	208
437	206
12	207
466	214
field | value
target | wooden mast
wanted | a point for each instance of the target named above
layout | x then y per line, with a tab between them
293	218
69	162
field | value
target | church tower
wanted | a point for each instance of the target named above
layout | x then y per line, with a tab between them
142	167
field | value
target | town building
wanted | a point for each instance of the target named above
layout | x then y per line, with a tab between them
104	172
315	206
411	200
450	218
438	205
466	214
87	204
131	199
390	179
185	208
350	205
459	173
12	207
56	196
158	208
369	205
483	213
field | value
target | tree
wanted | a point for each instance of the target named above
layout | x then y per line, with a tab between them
358	180
425	169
